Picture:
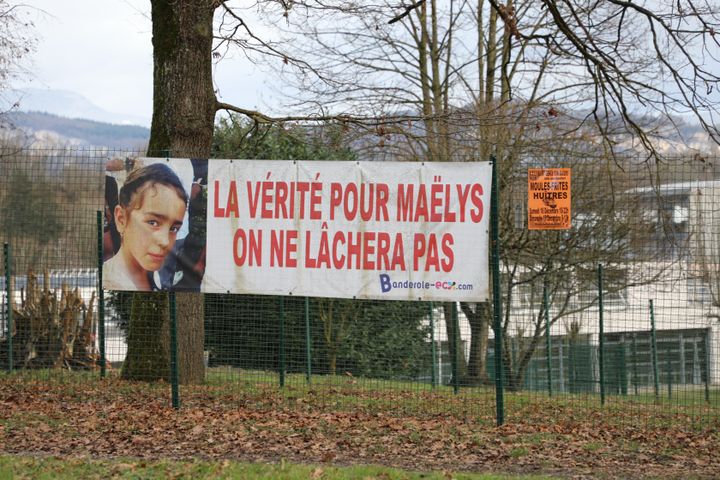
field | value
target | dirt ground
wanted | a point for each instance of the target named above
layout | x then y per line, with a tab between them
117	419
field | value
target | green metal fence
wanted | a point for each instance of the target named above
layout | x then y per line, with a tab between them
621	310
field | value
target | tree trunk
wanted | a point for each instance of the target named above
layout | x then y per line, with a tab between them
479	329
332	362
148	354
454	339
184	107
521	365
191	337
491	58
506	47
184	102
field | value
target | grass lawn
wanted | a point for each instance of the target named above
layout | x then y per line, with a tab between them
23	467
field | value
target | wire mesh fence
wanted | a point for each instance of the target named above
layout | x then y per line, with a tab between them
619	313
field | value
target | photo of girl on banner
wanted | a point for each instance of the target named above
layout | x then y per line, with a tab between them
159	216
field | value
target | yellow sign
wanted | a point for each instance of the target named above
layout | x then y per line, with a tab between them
548	198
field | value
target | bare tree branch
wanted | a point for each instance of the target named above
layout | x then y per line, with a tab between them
408	10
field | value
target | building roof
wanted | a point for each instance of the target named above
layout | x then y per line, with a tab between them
677	187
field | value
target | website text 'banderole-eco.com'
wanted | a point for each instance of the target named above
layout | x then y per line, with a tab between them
387	284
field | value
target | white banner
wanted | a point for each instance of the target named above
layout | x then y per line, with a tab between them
349	230
381	230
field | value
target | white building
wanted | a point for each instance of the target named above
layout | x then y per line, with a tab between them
683	232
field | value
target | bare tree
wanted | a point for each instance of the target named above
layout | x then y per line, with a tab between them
462	79
437	56
17	41
671	69
338	317
705	245
609	227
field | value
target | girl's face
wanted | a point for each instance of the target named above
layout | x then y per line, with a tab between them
149	232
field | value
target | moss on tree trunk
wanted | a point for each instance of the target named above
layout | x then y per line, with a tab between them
148	354
184	107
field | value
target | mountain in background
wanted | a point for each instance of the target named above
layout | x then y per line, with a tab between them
68	104
45	118
43	130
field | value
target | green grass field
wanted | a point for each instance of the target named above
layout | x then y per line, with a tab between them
23	467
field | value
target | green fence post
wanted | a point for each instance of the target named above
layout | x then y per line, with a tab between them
668	366
282	343
308	343
433	350
653	341
623	370
572	358
174	368
497	297
546	307
101	295
635	362
8	302
707	366
458	346
602	334
562	379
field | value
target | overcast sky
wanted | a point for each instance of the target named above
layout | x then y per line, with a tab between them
102	50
